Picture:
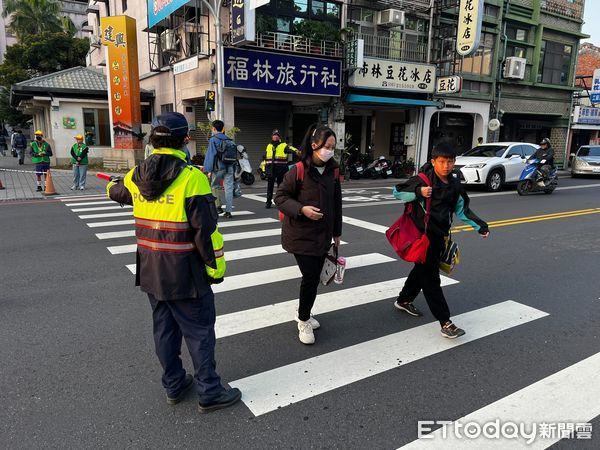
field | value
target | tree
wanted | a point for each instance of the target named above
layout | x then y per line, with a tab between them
30	17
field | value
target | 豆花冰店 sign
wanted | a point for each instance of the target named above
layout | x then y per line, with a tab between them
470	18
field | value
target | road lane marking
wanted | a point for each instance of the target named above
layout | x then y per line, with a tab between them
278	313
572	394
101	208
267	391
110	223
551	215
116	234
106	215
100	202
121	249
81	198
364	224
227	224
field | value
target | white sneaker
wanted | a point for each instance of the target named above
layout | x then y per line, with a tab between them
73	187
314	323
306	334
81	188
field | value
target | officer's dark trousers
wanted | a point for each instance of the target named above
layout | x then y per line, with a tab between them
426	277
279	170
194	320
310	267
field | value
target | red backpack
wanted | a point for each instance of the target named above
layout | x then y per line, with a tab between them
300	179
405	238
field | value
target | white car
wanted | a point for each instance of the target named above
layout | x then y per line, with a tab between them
494	164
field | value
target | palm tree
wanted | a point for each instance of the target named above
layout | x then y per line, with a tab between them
68	26
29	17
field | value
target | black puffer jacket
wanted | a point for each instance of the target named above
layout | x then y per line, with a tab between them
299	234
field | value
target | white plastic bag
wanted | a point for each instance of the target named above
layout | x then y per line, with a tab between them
329	266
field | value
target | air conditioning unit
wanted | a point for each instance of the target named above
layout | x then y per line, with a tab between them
390	18
169	41
514	68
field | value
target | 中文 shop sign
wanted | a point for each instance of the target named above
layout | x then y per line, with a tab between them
277	72
587	116
470	19
394	76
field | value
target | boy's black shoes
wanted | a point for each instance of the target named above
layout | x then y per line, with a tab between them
408	307
451	331
227	398
227	215
187	384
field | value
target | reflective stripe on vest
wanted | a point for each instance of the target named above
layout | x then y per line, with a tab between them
280	155
166	246
161	225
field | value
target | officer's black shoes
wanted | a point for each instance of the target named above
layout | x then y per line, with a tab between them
268	205
188	382
39	189
227	215
220	210
227	398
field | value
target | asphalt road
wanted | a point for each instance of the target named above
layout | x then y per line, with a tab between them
79	369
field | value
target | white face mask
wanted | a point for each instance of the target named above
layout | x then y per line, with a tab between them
325	154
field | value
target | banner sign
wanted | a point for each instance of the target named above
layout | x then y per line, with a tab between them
394	76
161	9
470	19
587	116
279	72
595	94
243	22
185	65
449	85
119	34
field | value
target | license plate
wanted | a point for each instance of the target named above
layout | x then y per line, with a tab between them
359	169
596	170
389	172
378	169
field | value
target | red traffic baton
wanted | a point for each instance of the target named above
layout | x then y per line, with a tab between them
104	176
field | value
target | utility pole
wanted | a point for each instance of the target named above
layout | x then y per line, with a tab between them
214	7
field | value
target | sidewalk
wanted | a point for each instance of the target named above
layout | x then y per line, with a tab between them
20	182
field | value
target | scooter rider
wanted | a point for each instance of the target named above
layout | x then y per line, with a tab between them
545	155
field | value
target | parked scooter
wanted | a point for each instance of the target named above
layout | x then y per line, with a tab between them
243	170
533	180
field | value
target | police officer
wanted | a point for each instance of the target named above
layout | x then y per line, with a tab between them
276	160
179	255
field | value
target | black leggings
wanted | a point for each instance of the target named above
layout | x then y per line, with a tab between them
310	266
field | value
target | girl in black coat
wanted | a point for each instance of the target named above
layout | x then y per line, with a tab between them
313	217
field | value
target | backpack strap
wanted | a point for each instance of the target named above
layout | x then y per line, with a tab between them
299	172
425	179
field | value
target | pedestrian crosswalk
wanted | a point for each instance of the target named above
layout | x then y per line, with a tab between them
255	257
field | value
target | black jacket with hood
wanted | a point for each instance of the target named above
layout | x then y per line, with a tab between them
171	275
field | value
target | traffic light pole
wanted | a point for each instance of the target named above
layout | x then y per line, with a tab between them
214	8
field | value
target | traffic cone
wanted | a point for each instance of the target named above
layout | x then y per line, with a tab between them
49	184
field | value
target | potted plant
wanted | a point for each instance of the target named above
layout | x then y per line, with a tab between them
265	27
317	32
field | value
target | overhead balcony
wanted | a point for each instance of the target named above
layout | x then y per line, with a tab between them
297	44
392	48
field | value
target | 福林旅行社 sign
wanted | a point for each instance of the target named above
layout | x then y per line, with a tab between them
161	9
278	72
394	76
470	20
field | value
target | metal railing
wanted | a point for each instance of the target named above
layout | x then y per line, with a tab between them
566	8
297	44
395	49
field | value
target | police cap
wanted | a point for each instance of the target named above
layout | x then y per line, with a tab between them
175	124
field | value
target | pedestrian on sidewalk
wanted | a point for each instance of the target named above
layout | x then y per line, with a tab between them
218	168
3	144
19	143
276	163
40	152
179	256
79	160
313	217
448	197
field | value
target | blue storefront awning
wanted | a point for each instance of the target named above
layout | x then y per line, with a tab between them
356	98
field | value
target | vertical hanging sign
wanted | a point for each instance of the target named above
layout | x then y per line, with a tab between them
470	19
243	23
120	38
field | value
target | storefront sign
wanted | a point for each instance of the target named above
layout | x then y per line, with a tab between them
161	9
120	36
69	123
470	19
185	65
449	85
394	76
587	116
595	94
278	72
243	22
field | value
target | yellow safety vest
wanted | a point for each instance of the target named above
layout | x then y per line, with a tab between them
162	224
281	156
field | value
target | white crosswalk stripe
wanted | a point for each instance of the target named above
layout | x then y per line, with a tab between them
106	215
283	386
101	202
101	208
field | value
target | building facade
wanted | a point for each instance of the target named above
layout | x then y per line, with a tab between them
302	67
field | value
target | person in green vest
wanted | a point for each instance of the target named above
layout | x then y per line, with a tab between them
79	159
40	152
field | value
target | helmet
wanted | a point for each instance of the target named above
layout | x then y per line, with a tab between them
79	136
276	133
39	133
175	122
545	141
